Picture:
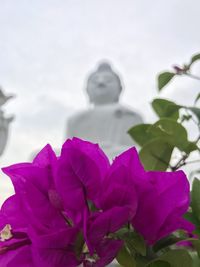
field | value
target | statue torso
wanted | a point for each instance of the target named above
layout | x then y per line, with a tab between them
105	124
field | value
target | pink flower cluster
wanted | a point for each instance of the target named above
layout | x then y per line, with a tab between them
65	209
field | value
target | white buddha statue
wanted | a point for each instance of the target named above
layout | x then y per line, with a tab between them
106	121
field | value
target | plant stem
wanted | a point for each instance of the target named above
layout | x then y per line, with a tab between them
180	163
192	76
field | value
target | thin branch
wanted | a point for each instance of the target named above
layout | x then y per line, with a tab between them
180	163
188	112
192	76
197	140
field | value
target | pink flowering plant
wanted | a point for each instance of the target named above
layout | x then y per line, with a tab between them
78	209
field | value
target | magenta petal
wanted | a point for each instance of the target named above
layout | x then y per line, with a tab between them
107	251
46	157
130	159
7	257
71	190
120	196
104	223
57	239
136	174
173	223
14	172
23	258
42	214
119	190
92	151
12	212
17	258
34	185
47	257
88	163
20	173
168	196
40	172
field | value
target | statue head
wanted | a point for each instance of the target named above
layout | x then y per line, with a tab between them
104	85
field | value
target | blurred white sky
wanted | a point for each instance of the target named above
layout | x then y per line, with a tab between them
48	47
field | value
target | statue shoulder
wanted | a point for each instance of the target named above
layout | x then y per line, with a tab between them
79	116
76	123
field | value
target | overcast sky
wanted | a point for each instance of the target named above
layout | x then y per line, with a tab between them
47	49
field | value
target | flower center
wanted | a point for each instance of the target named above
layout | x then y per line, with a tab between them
20	239
6	233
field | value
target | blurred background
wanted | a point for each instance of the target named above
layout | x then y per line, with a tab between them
48	48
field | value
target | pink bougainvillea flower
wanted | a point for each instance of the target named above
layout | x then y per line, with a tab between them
57	200
84	178
56	196
163	198
38	225
117	202
164	206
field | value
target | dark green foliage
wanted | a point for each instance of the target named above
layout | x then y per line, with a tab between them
164	78
195	58
195	195
156	154
125	259
165	108
141	134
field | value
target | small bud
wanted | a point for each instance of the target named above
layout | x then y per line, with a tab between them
178	70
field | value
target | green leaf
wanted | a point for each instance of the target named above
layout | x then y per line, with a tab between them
195	258
172	133
156	155
196	198
125	259
142	261
196	244
165	108
173	258
195	58
140	134
135	242
158	263
164	78
177	258
190	216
